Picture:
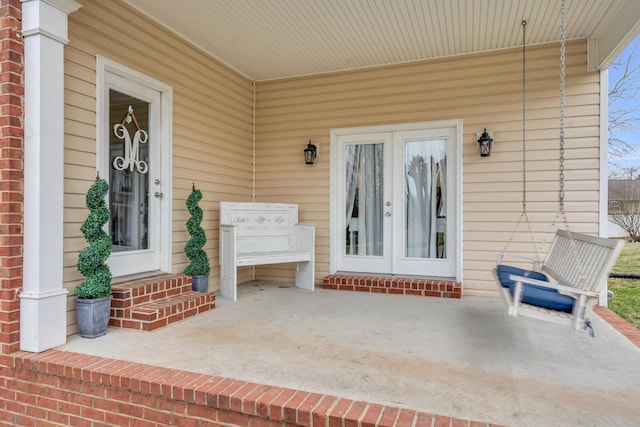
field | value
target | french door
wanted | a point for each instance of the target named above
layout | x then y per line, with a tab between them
132	151
395	200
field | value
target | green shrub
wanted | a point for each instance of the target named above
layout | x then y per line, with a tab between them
199	261
91	260
626	292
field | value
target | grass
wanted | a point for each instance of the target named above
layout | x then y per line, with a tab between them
626	299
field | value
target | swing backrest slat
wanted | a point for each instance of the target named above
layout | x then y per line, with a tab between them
580	260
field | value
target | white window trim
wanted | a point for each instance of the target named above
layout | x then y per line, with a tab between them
604	166
104	65
604	153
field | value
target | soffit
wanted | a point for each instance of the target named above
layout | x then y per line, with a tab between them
273	39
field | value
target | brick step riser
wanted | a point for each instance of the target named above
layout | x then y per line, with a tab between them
163	308
130	294
394	285
126	301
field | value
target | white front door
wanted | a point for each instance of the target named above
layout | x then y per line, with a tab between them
395	200
131	158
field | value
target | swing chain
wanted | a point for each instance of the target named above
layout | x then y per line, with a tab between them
562	212
524	109
563	36
524	217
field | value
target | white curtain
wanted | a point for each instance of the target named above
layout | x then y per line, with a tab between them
425	163
364	177
352	155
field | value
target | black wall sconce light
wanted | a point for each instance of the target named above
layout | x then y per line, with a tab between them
484	143
310	153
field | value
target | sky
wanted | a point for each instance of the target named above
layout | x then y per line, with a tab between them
631	136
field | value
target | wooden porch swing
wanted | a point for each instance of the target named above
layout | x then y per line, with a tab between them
566	285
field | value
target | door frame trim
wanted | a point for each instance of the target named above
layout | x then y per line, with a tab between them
334	243
104	66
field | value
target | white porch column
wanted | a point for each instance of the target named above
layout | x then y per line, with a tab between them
43	302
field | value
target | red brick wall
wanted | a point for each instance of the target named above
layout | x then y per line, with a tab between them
11	172
62	388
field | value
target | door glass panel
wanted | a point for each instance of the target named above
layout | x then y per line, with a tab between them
425	199
364	185
129	167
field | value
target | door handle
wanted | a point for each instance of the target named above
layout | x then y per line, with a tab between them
158	194
387	214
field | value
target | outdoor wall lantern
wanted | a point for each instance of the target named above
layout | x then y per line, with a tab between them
310	153
484	142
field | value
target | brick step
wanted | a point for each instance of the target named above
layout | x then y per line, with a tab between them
394	285
153	302
140	291
162	312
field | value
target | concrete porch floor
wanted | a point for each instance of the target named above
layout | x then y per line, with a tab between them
461	358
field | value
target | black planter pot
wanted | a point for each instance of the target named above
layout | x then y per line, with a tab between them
200	283
93	316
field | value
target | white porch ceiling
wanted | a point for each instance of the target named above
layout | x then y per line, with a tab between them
272	39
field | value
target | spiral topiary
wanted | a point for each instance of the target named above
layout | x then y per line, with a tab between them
199	261
91	260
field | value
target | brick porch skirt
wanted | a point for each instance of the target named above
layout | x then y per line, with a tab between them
64	388
394	285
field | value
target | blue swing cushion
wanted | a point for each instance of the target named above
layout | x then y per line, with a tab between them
539	296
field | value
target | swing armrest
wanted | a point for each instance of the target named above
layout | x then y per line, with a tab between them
520	280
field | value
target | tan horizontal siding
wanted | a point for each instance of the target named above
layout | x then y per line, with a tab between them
212	123
212	141
483	90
